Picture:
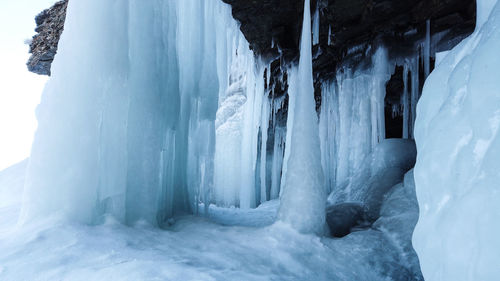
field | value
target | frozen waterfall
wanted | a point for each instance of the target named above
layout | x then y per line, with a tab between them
158	109
166	96
174	111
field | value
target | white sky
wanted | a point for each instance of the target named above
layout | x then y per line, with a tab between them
20	90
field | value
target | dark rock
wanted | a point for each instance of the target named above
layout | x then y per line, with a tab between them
353	23
43	47
343	218
272	27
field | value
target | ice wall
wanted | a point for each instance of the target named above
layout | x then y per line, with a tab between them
127	123
243	109
304	196
457	173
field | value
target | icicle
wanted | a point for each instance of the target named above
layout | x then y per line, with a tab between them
406	109
304	197
415	91
279	145
427	49
316	27
251	124
328	129
380	76
165	201
268	76
263	154
329	35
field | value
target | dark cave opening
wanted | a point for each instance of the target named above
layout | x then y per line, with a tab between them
393	104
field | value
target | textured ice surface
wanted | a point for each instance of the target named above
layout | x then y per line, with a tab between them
457	173
193	249
230	244
398	216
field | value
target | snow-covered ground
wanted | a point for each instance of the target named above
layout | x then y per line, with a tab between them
231	244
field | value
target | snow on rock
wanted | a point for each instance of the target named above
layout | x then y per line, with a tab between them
457	173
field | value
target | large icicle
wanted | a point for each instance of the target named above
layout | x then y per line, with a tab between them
304	197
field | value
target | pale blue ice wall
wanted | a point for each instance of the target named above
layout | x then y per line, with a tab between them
457	174
127	121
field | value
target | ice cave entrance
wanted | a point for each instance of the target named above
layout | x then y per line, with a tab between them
399	112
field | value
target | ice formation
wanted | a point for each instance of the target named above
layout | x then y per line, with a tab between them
165	125
352	118
352	121
160	119
457	173
158	108
304	196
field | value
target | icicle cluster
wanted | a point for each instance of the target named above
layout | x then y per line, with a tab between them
352	120
130	119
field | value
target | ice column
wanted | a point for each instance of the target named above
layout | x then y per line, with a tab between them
304	197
